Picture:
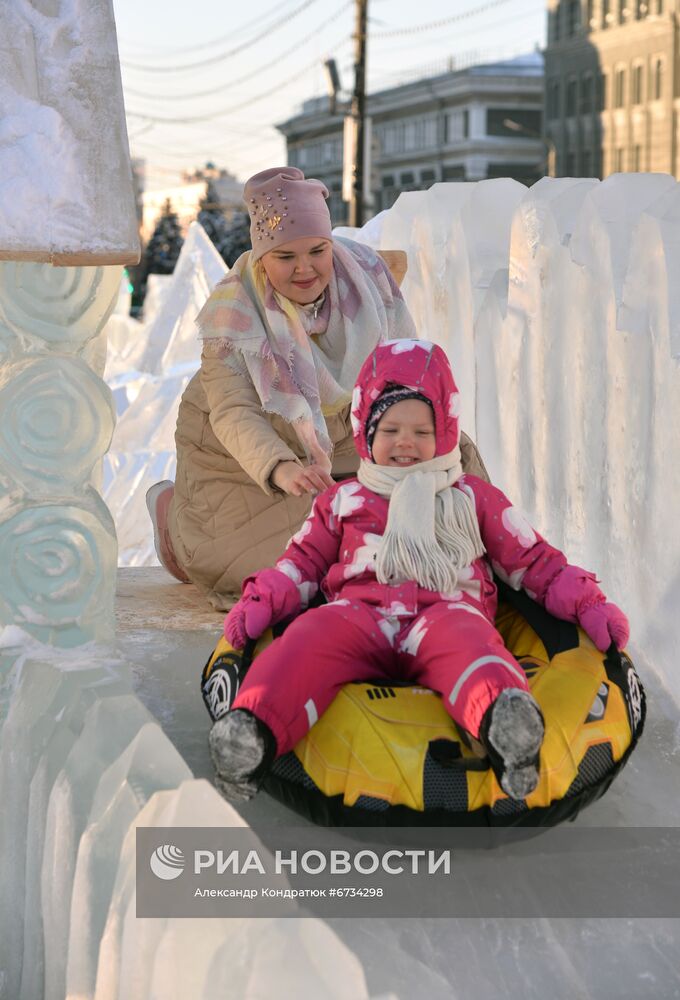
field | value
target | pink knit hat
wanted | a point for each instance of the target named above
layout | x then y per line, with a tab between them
283	206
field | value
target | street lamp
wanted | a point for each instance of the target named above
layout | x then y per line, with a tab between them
332	83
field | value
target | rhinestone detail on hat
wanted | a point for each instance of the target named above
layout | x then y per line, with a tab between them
267	219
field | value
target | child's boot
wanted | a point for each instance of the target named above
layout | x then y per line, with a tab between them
512	733
241	748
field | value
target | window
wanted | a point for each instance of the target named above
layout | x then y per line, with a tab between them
571	98
454	173
658	79
637	159
430	132
606	16
636	85
571	164
589	14
587	93
602	92
553	101
573	16
619	88
394	138
618	161
520	122
641	9
623	10
387	181
456	126
556	23
427	177
407	179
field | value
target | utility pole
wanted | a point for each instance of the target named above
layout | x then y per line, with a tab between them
356	205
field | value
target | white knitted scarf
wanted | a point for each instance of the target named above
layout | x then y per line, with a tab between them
432	530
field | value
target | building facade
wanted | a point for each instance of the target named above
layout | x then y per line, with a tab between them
461	125
611	78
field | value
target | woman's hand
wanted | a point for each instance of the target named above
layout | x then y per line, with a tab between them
298	479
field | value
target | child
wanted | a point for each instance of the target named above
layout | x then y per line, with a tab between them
404	555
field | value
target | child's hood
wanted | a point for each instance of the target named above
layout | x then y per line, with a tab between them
419	365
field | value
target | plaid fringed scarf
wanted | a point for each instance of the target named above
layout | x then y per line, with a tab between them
259	333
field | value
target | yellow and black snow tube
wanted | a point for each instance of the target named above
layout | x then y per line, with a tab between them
392	755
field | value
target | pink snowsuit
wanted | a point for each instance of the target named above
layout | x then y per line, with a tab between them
374	632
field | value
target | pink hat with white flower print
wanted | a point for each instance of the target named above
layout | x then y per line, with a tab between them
419	366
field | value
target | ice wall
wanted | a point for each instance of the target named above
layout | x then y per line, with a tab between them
82	764
559	307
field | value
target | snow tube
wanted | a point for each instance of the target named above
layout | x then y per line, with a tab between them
392	755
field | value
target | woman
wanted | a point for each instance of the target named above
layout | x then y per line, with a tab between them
264	425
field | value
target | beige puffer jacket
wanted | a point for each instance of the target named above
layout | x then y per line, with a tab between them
225	520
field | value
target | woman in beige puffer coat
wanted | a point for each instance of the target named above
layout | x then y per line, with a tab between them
264	425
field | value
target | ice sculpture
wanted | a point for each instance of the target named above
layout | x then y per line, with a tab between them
67	198
149	393
202	959
172	337
81	765
58	421
56	536
65	180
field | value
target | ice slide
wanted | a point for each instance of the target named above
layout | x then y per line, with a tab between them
560	312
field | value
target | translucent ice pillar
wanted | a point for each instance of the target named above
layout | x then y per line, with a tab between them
57	539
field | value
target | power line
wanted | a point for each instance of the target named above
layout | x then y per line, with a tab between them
415	29
186	50
243	79
513	19
206	143
202	63
224	112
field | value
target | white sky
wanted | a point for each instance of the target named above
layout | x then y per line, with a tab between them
283	67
